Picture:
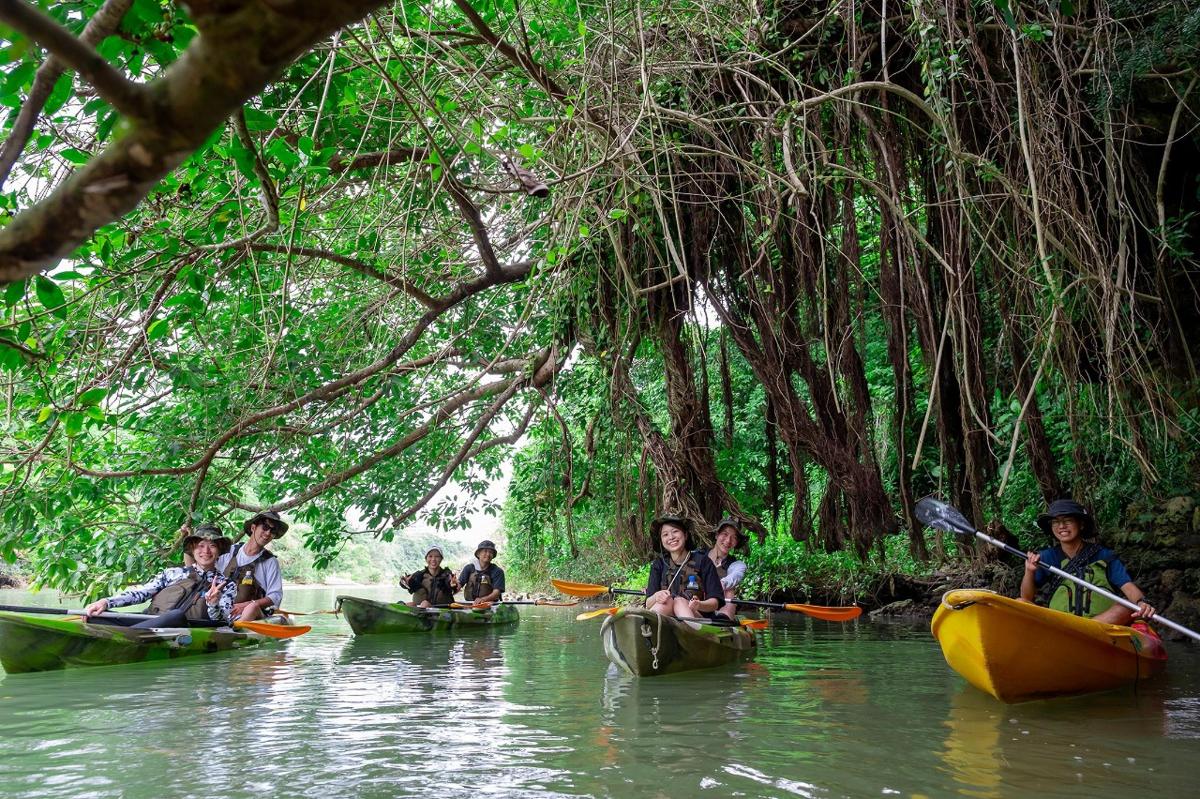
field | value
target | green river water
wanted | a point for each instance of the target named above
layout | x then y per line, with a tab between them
860	709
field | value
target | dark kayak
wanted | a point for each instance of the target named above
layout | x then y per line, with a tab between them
369	617
39	642
645	644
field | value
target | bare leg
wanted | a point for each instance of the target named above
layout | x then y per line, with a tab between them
681	609
665	608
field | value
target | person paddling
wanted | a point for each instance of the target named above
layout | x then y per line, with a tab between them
181	594
254	568
483	582
730	570
433	585
1078	553
682	583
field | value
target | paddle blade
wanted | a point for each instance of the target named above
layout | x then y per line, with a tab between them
826	613
548	603
755	624
581	590
939	515
591	614
272	630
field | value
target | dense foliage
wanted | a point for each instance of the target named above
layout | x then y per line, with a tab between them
798	262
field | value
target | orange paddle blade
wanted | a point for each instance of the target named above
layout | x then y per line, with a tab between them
755	624
582	590
272	630
826	613
591	614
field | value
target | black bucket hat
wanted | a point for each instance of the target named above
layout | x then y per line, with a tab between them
208	532
681	522
279	525
1068	507
729	521
485	544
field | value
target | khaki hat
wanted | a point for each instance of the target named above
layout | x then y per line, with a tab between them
279	525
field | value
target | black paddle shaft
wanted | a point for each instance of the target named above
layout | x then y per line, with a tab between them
132	617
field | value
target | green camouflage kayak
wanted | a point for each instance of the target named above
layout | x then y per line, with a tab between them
36	642
645	644
368	617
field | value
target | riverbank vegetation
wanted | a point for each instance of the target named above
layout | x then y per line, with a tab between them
796	262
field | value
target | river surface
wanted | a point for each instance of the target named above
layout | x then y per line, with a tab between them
826	710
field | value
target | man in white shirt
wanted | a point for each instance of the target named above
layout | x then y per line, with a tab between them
255	568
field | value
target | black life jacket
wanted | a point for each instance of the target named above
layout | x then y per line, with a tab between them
686	580
248	586
435	587
479	583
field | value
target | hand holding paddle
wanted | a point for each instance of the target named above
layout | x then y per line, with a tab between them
947	518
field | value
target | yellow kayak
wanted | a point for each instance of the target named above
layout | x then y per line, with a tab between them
1017	651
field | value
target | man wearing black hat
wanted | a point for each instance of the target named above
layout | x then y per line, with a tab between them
196	592
485	582
254	568
1078	553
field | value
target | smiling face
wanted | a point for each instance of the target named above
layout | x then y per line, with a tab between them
433	560
204	552
263	532
485	557
1066	529
673	538
726	539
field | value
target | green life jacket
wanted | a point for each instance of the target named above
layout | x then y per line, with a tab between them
248	588
187	592
479	584
1071	598
686	580
435	588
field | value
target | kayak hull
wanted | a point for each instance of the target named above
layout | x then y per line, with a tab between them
1018	652
643	643
370	617
34	642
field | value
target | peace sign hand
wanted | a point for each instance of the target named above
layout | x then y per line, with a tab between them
214	590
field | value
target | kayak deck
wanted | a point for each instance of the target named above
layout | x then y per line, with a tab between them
33	642
1017	651
371	617
646	644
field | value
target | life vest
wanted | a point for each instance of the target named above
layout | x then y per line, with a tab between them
479	583
187	592
435	588
248	588
686	580
1071	598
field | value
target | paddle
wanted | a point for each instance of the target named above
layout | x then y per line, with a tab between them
486	605
588	590
947	518
262	628
753	624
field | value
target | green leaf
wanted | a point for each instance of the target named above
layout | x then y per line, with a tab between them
1066	8
45	414
59	94
14	292
50	295
258	120
75	156
74	423
93	396
617	214
10	358
158	328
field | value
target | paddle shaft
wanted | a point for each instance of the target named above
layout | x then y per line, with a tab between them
1120	600
106	615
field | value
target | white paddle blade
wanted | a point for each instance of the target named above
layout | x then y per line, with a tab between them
937	514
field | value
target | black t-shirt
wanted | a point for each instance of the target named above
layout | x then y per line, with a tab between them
709	578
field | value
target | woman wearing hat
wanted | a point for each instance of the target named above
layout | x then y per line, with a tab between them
433	585
483	582
1077	552
727	538
254	569
682	583
183	593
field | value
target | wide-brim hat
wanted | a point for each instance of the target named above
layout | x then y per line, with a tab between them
681	522
208	532
1068	507
729	521
485	544
281	526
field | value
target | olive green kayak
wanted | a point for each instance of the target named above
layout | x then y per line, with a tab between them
369	617
36	642
645	644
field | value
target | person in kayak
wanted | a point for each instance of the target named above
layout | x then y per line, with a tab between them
1078	553
682	583
180	594
730	569
483	582
254	568
433	585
